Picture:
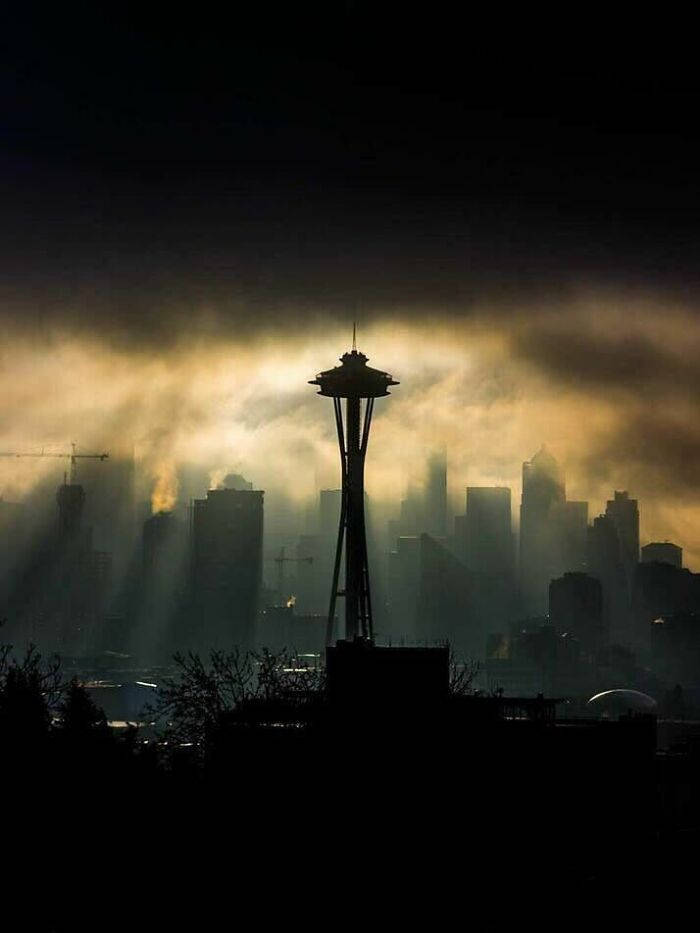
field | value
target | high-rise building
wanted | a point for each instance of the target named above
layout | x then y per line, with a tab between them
660	590
75	581
435	499
570	531
459	538
403	588
576	608
605	563
71	501
110	505
488	533
162	588
411	513
227	537
540	559
453	606
662	552
329	512
624	514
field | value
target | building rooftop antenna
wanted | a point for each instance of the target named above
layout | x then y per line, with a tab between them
354	336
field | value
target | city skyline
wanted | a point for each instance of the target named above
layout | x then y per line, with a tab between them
136	577
287	509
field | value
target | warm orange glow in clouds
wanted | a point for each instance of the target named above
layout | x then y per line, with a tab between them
610	386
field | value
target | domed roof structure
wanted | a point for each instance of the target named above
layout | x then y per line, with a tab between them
619	702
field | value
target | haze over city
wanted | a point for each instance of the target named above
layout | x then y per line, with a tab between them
490	384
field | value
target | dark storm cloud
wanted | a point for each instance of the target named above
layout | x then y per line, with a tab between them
641	368
655	451
191	213
629	361
168	179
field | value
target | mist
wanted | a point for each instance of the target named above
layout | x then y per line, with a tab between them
608	381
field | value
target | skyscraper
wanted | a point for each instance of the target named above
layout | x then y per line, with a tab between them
435	499
447	607
543	491
404	564
110	505
488	534
570	529
227	536
330	501
624	514
606	564
576	608
162	586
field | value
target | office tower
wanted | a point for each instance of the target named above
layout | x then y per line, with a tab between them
75	580
435	497
447	609
329	513
71	500
662	552
162	587
411	513
159	532
570	532
576	608
624	513
543	491
403	585
661	589
227	536
110	505
605	562
459	540
488	534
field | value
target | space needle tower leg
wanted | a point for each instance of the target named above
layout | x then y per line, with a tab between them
354	546
342	520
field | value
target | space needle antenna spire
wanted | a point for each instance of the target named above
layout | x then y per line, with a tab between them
355	382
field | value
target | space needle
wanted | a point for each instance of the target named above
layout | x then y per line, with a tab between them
355	382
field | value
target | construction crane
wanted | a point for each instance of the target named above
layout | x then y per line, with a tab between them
72	456
281	560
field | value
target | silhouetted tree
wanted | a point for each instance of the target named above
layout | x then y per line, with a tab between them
462	675
191	704
79	716
30	690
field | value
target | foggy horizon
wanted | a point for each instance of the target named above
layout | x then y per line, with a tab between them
490	386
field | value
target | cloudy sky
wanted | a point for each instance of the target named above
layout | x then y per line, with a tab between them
193	214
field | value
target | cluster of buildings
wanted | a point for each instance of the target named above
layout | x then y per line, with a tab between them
570	607
565	607
188	581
